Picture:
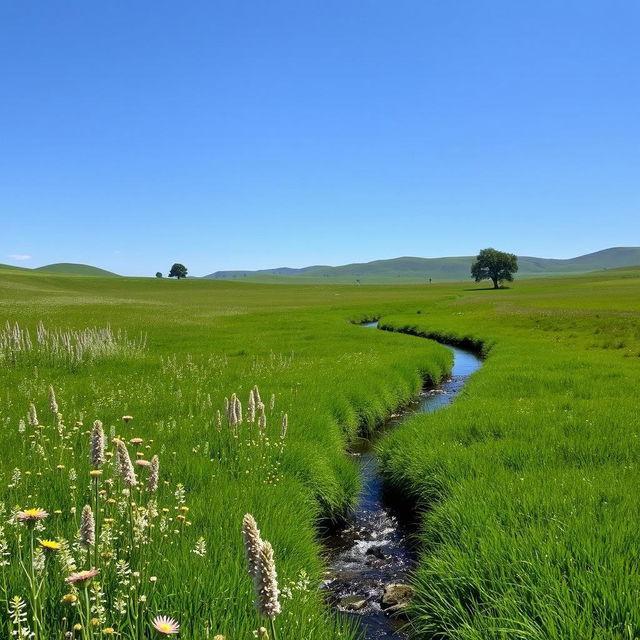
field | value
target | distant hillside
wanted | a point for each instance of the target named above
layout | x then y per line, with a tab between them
10	267
71	269
408	269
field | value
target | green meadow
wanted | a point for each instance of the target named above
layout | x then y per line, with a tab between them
527	484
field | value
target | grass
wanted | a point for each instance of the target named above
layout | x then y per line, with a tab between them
527	481
203	342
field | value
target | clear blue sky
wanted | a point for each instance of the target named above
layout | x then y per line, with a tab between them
231	134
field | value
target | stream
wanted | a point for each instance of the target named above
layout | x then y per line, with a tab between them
374	547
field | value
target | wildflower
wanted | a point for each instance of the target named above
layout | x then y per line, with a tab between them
135	441
50	545
53	405
201	547
33	416
31	516
108	631
272	402
127	418
251	408
69	598
165	625
262	422
152	481
153	579
82	576
252	542
256	395
87	528
285	424
77	627
97	444
126	468
60	467
266	583
143	463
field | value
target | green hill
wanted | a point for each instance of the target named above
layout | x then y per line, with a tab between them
411	269
72	269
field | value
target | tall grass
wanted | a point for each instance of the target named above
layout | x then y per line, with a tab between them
529	481
329	382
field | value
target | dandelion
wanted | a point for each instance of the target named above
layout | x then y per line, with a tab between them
82	576
33	416
69	598
126	468
152	481
53	405
252	542
97	444
165	625
266	583
31	516
87	528
50	545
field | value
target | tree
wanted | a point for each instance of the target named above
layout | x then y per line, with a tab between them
158	274
178	271
493	265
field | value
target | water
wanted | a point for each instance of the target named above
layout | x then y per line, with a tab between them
373	549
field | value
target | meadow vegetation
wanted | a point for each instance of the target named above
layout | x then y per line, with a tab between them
527	482
157	358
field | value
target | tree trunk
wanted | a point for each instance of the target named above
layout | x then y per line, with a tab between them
495	283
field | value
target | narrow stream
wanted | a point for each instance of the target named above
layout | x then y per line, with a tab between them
373	549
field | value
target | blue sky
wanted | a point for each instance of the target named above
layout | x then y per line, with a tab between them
232	134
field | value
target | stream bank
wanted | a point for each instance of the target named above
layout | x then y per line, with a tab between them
371	555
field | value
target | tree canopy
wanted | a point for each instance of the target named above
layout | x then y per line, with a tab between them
494	265
178	271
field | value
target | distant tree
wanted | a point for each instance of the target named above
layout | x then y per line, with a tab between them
158	274
493	265
178	271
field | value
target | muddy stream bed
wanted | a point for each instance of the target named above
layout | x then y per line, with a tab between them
371	555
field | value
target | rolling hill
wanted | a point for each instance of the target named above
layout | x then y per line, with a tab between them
65	268
72	269
411	269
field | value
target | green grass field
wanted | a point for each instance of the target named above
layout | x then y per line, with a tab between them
528	482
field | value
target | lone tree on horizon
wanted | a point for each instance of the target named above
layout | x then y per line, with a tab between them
178	271
494	265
